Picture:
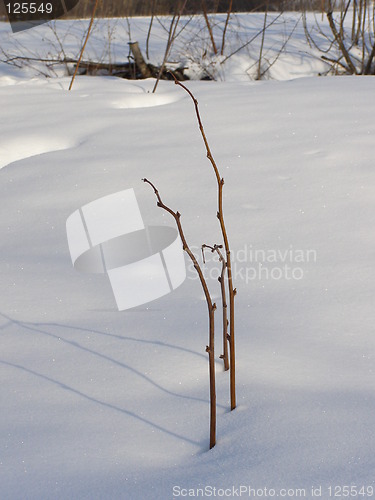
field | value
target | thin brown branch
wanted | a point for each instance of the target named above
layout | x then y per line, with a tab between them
221	280
369	61
171	38
209	27
270	64
262	43
335	62
210	349
84	44
251	39
149	28
226	26
341	44
220	216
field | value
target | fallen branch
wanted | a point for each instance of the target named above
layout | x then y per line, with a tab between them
335	62
139	61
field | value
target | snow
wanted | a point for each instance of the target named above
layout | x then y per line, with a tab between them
98	403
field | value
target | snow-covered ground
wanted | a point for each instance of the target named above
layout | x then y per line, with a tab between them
98	403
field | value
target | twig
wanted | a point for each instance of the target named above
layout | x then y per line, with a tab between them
226	26
335	61
251	39
220	216
341	43
62	50
171	38
204	8
210	349
149	28
85	42
280	51
369	61
221	280
262	42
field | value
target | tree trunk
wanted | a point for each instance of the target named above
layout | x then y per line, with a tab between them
139	61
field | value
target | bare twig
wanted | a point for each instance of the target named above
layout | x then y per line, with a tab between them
262	43
61	46
210	349
221	280
149	28
85	42
369	62
220	216
341	44
270	64
251	39
226	26
335	62
171	38
209	27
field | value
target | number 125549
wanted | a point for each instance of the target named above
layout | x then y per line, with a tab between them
351	491
30	8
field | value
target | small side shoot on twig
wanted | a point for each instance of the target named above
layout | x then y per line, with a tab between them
221	280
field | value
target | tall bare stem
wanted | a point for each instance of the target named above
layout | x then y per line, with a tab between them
226	26
85	42
220	216
210	349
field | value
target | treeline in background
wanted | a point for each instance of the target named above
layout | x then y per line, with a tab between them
129	8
